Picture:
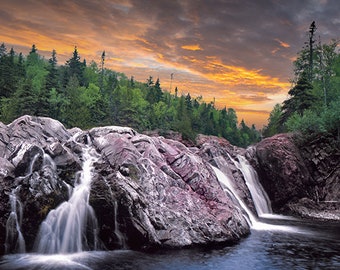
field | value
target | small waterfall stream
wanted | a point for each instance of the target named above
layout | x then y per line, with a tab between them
228	187
13	225
72	226
14	237
259	196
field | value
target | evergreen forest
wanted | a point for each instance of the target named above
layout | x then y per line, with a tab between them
88	95
85	95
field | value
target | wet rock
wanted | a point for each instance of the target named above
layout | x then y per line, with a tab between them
283	171
294	171
166	195
26	170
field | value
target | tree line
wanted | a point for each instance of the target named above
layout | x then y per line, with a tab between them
88	95
313	104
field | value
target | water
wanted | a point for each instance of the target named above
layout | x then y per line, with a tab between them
228	188
265	221
117	232
258	194
318	249
14	238
72	226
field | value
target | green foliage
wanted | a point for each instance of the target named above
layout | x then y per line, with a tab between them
301	98
88	96
331	116
317	122
313	106
274	122
309	124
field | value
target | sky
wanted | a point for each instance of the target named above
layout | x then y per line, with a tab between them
238	54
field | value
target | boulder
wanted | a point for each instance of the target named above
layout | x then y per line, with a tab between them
165	194
282	170
29	173
301	177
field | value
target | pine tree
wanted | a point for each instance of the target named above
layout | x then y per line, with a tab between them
300	99
76	67
52	77
274	125
36	73
7	74
25	100
102	73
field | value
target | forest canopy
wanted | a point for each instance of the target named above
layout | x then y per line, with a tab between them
88	95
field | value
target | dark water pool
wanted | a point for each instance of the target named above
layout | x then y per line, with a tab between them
297	246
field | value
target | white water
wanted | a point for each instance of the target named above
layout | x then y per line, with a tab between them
119	235
258	194
252	220
14	237
66	228
228	187
48	161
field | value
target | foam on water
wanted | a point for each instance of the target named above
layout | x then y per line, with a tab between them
72	226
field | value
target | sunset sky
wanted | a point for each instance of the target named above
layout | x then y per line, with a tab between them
238	52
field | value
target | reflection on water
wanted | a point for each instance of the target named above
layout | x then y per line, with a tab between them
316	247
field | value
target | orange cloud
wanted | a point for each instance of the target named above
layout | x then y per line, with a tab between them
194	47
282	44
235	75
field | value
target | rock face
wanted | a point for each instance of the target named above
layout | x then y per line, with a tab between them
146	191
166	195
301	178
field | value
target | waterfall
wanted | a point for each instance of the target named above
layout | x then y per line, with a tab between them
119	235
13	225
117	232
228	187
14	238
257	191
258	194
72	226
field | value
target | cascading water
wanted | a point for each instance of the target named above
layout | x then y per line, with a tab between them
256	191
117	232
15	241
72	226
119	235
228	187
258	194
14	238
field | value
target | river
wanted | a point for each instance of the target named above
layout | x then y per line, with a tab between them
294	245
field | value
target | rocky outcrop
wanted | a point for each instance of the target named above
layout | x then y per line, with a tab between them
301	177
166	195
151	191
146	191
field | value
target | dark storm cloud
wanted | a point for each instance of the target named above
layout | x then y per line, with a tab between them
244	33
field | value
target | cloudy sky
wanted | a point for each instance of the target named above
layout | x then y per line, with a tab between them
239	53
